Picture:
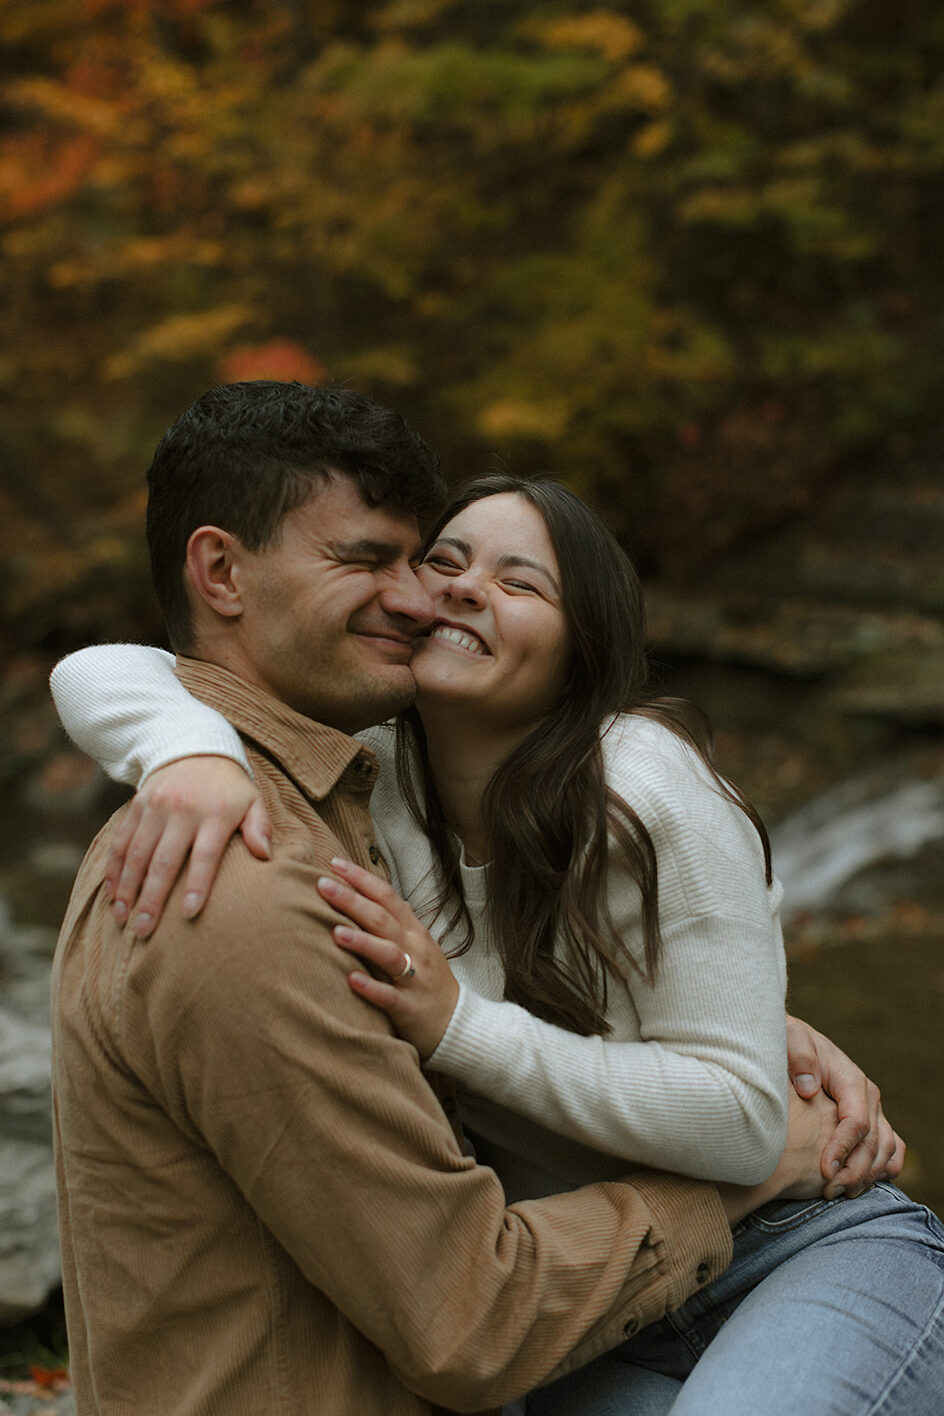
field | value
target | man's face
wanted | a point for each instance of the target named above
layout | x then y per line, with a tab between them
331	609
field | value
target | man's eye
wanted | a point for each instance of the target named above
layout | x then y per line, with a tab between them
441	563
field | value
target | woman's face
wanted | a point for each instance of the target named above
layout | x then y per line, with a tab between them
499	644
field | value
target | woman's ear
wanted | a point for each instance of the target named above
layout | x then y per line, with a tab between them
212	556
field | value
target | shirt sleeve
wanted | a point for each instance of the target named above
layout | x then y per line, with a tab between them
324	1121
123	705
703	1088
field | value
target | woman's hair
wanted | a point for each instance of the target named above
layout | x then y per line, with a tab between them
548	811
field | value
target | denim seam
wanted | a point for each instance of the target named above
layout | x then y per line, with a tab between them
904	1367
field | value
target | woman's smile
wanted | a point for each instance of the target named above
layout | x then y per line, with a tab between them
498	650
458	637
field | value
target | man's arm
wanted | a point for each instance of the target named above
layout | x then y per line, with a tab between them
325	1122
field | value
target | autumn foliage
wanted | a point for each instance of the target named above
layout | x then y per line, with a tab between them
685	252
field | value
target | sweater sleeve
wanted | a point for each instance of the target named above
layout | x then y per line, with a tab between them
123	705
702	1089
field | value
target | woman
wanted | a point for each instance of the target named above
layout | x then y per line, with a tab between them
628	908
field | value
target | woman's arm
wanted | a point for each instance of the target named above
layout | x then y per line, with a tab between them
123	705
694	1076
420	1002
702	1086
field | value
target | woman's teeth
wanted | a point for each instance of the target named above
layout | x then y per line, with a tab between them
461	637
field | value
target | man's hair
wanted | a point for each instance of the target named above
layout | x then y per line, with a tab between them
246	454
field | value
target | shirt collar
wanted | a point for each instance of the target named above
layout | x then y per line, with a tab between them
314	755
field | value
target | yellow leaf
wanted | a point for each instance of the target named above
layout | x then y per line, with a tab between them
516	418
611	35
177	338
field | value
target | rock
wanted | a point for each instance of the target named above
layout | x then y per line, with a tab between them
793	638
29	1246
902	683
68	782
55	860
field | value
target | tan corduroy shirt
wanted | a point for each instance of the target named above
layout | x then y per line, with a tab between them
263	1206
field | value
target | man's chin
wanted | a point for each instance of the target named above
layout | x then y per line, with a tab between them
386	695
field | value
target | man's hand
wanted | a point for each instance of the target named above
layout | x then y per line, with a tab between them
863	1148
798	1175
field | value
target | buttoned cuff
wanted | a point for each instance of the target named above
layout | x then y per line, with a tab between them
690	1231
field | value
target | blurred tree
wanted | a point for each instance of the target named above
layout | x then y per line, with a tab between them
685	252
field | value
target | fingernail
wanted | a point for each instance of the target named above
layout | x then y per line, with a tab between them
805	1079
191	905
342	934
340	863
327	886
121	911
143	923
834	1167
838	1192
267	847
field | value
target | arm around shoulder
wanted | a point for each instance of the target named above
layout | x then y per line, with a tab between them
123	705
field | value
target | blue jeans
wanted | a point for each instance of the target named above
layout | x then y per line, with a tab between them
829	1308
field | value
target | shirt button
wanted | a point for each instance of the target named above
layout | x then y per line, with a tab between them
703	1273
631	1328
363	768
375	856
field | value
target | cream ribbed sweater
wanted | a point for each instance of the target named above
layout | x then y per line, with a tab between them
693	1076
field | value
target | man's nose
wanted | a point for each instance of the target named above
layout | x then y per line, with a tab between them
404	595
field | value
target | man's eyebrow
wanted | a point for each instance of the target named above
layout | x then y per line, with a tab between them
375	550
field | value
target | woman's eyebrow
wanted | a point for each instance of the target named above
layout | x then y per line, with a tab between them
506	561
455	541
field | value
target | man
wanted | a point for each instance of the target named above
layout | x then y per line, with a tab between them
263	1205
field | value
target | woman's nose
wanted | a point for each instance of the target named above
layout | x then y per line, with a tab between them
466	586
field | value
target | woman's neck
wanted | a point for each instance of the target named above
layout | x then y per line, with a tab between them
462	761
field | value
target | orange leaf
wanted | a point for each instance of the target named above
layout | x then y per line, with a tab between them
49	1376
279	359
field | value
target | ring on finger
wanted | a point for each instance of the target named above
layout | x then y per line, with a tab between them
407	971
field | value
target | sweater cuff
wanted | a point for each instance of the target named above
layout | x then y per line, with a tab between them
156	755
464	1048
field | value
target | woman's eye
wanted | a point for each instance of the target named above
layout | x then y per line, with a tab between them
522	585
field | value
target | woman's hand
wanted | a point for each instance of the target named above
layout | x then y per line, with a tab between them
421	994
192	806
863	1147
798	1175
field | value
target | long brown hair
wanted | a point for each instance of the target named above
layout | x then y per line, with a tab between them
547	810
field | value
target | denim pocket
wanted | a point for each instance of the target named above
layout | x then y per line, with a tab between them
781	1215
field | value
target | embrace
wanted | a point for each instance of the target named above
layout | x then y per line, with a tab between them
469	1083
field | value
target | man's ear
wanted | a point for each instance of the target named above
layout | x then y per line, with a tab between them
212	556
